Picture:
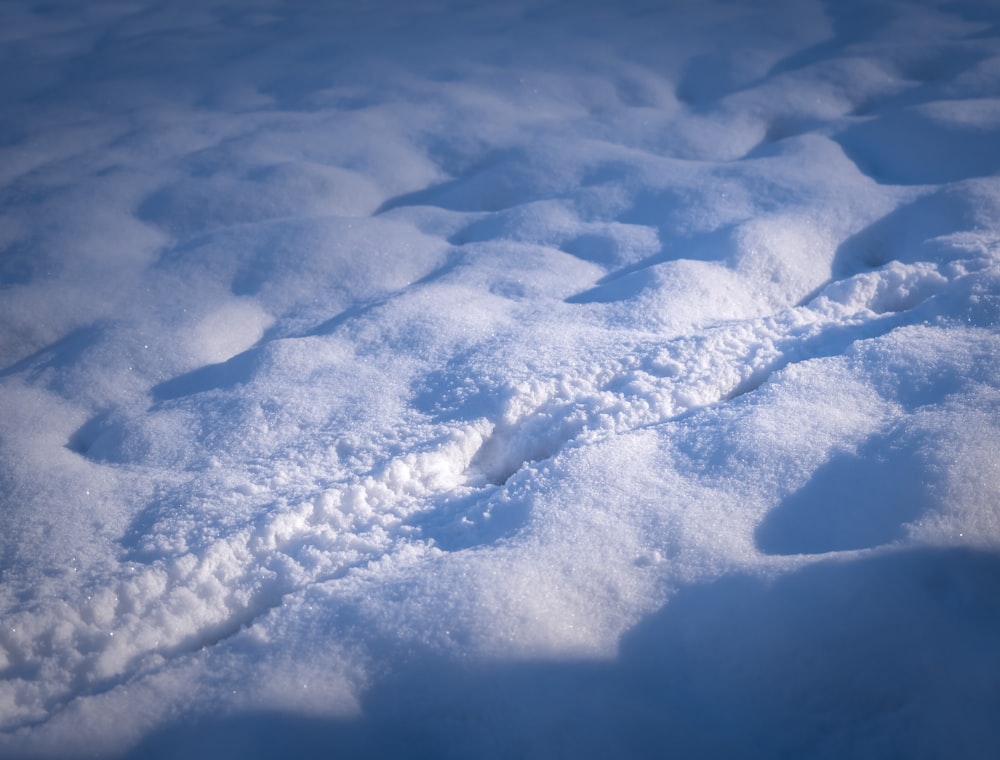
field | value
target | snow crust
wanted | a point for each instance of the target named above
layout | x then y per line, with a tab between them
526	379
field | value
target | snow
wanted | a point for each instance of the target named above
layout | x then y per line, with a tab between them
525	379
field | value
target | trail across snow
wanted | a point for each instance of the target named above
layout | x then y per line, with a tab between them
529	379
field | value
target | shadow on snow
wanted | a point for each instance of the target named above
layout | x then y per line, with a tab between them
887	655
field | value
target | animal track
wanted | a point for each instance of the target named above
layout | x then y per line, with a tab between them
658	382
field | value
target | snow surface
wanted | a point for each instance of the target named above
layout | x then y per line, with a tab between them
528	379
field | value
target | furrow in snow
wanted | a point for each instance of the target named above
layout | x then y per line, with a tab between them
663	381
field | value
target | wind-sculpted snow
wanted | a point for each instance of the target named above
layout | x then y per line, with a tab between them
530	379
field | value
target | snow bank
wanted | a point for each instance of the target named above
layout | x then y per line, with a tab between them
534	379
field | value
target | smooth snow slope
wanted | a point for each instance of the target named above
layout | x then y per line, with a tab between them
525	379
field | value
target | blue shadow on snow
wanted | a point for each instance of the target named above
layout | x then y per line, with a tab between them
891	655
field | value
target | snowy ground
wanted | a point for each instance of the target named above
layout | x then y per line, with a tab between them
530	379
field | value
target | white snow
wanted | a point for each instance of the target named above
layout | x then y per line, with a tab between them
527	379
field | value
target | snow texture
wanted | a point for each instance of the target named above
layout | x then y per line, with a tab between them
533	379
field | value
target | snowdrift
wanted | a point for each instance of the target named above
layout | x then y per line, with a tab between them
526	379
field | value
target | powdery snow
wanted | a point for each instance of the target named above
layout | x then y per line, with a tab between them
523	379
